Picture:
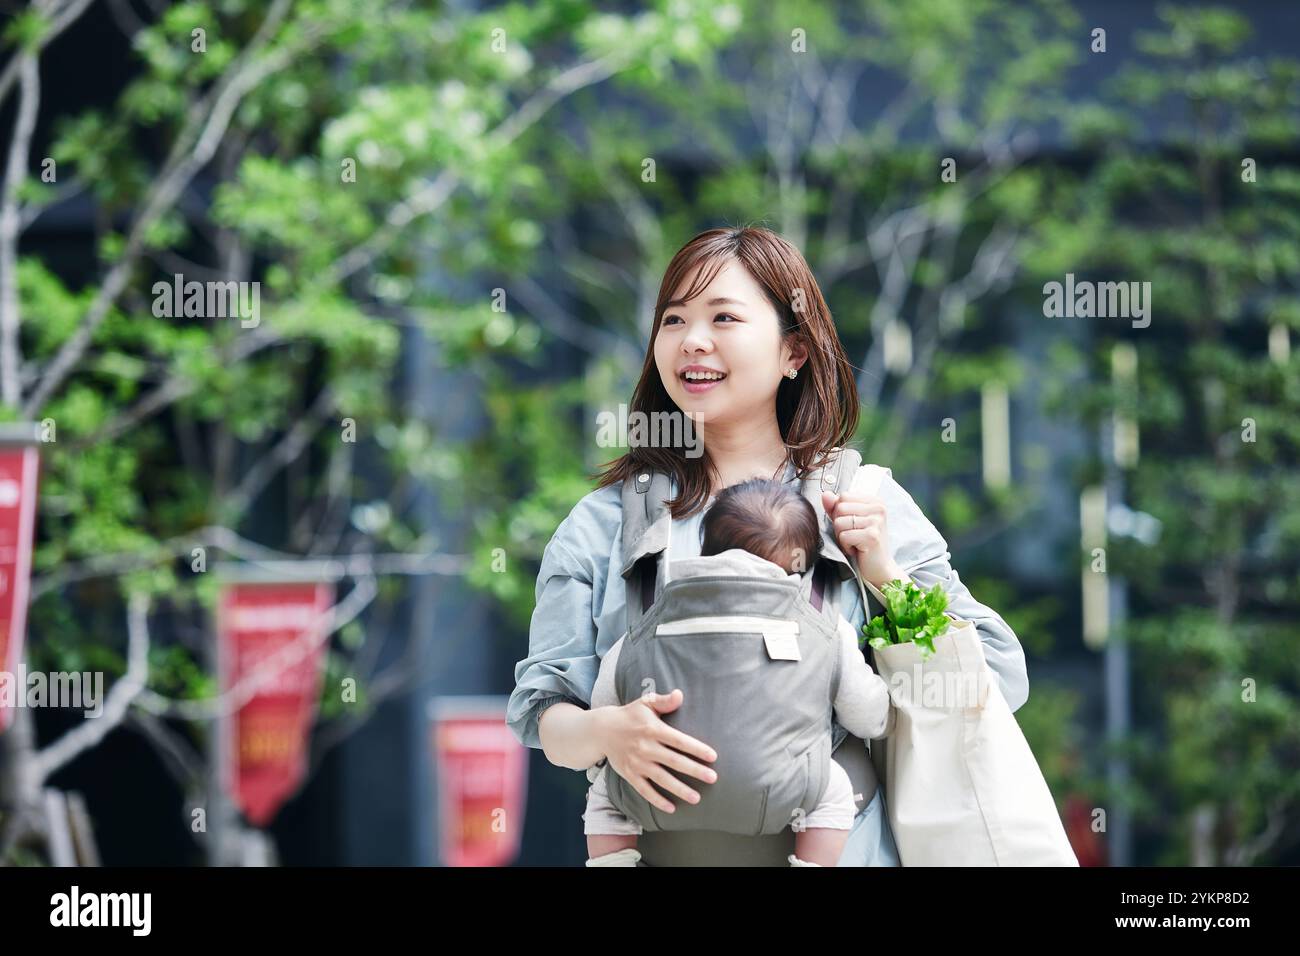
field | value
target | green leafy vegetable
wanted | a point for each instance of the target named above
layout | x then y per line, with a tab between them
912	615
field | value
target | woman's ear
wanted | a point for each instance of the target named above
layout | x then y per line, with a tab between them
794	353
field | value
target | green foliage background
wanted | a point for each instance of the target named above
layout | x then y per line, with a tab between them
530	252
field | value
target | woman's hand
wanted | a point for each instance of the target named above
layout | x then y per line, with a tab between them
863	535
642	748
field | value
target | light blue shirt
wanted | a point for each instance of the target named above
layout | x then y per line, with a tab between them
580	612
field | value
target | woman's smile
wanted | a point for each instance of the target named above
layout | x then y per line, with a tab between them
697	379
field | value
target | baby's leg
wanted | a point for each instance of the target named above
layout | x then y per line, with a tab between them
608	831
598	844
820	837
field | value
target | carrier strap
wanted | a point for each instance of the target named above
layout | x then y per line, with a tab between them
818	585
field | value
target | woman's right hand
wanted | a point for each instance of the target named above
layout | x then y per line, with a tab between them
641	748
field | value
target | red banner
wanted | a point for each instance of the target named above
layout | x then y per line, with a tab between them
276	629
1084	840
482	773
18	473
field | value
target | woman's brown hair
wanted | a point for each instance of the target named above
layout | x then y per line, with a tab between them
815	412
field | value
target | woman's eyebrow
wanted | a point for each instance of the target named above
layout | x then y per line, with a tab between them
721	300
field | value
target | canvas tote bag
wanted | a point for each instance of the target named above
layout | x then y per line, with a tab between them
962	787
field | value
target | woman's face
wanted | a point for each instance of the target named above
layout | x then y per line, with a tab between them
729	328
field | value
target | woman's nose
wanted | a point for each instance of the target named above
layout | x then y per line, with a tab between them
696	341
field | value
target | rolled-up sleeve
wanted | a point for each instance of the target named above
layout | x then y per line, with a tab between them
922	552
562	663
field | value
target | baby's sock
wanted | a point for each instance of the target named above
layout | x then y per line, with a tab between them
795	861
628	856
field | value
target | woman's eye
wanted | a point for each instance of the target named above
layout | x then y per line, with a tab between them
672	319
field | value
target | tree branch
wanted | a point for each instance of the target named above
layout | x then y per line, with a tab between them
124	690
60	21
334	514
204	126
173	388
10	226
591	339
289	447
33	211
1245	853
226	540
180	760
906	240
430	196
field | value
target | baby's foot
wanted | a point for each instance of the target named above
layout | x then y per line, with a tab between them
628	856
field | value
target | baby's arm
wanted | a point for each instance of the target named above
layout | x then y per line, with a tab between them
862	705
603	693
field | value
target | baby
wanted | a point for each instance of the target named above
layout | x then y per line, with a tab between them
778	528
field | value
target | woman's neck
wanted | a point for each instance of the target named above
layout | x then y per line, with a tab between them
745	452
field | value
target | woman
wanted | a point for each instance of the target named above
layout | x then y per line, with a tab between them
744	344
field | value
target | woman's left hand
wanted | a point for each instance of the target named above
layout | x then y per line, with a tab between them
862	531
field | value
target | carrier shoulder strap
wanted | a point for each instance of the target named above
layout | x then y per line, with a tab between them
647	524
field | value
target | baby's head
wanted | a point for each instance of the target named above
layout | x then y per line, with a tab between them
766	518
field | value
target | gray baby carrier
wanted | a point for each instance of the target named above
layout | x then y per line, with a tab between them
758	664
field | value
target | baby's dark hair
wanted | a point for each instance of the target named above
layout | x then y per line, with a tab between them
766	518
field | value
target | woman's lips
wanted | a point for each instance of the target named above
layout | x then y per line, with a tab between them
696	388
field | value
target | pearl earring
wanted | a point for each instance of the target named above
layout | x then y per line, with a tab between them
791	372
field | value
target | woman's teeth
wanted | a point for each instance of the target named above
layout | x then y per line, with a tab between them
703	376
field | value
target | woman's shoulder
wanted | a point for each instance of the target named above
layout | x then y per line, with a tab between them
604	505
592	524
914	537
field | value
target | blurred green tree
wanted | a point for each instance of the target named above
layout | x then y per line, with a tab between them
367	168
1205	206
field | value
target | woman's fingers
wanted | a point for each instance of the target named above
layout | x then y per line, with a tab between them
657	771
680	762
664	748
864	540
642	786
674	738
653	764
671	736
858	523
851	506
672	784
